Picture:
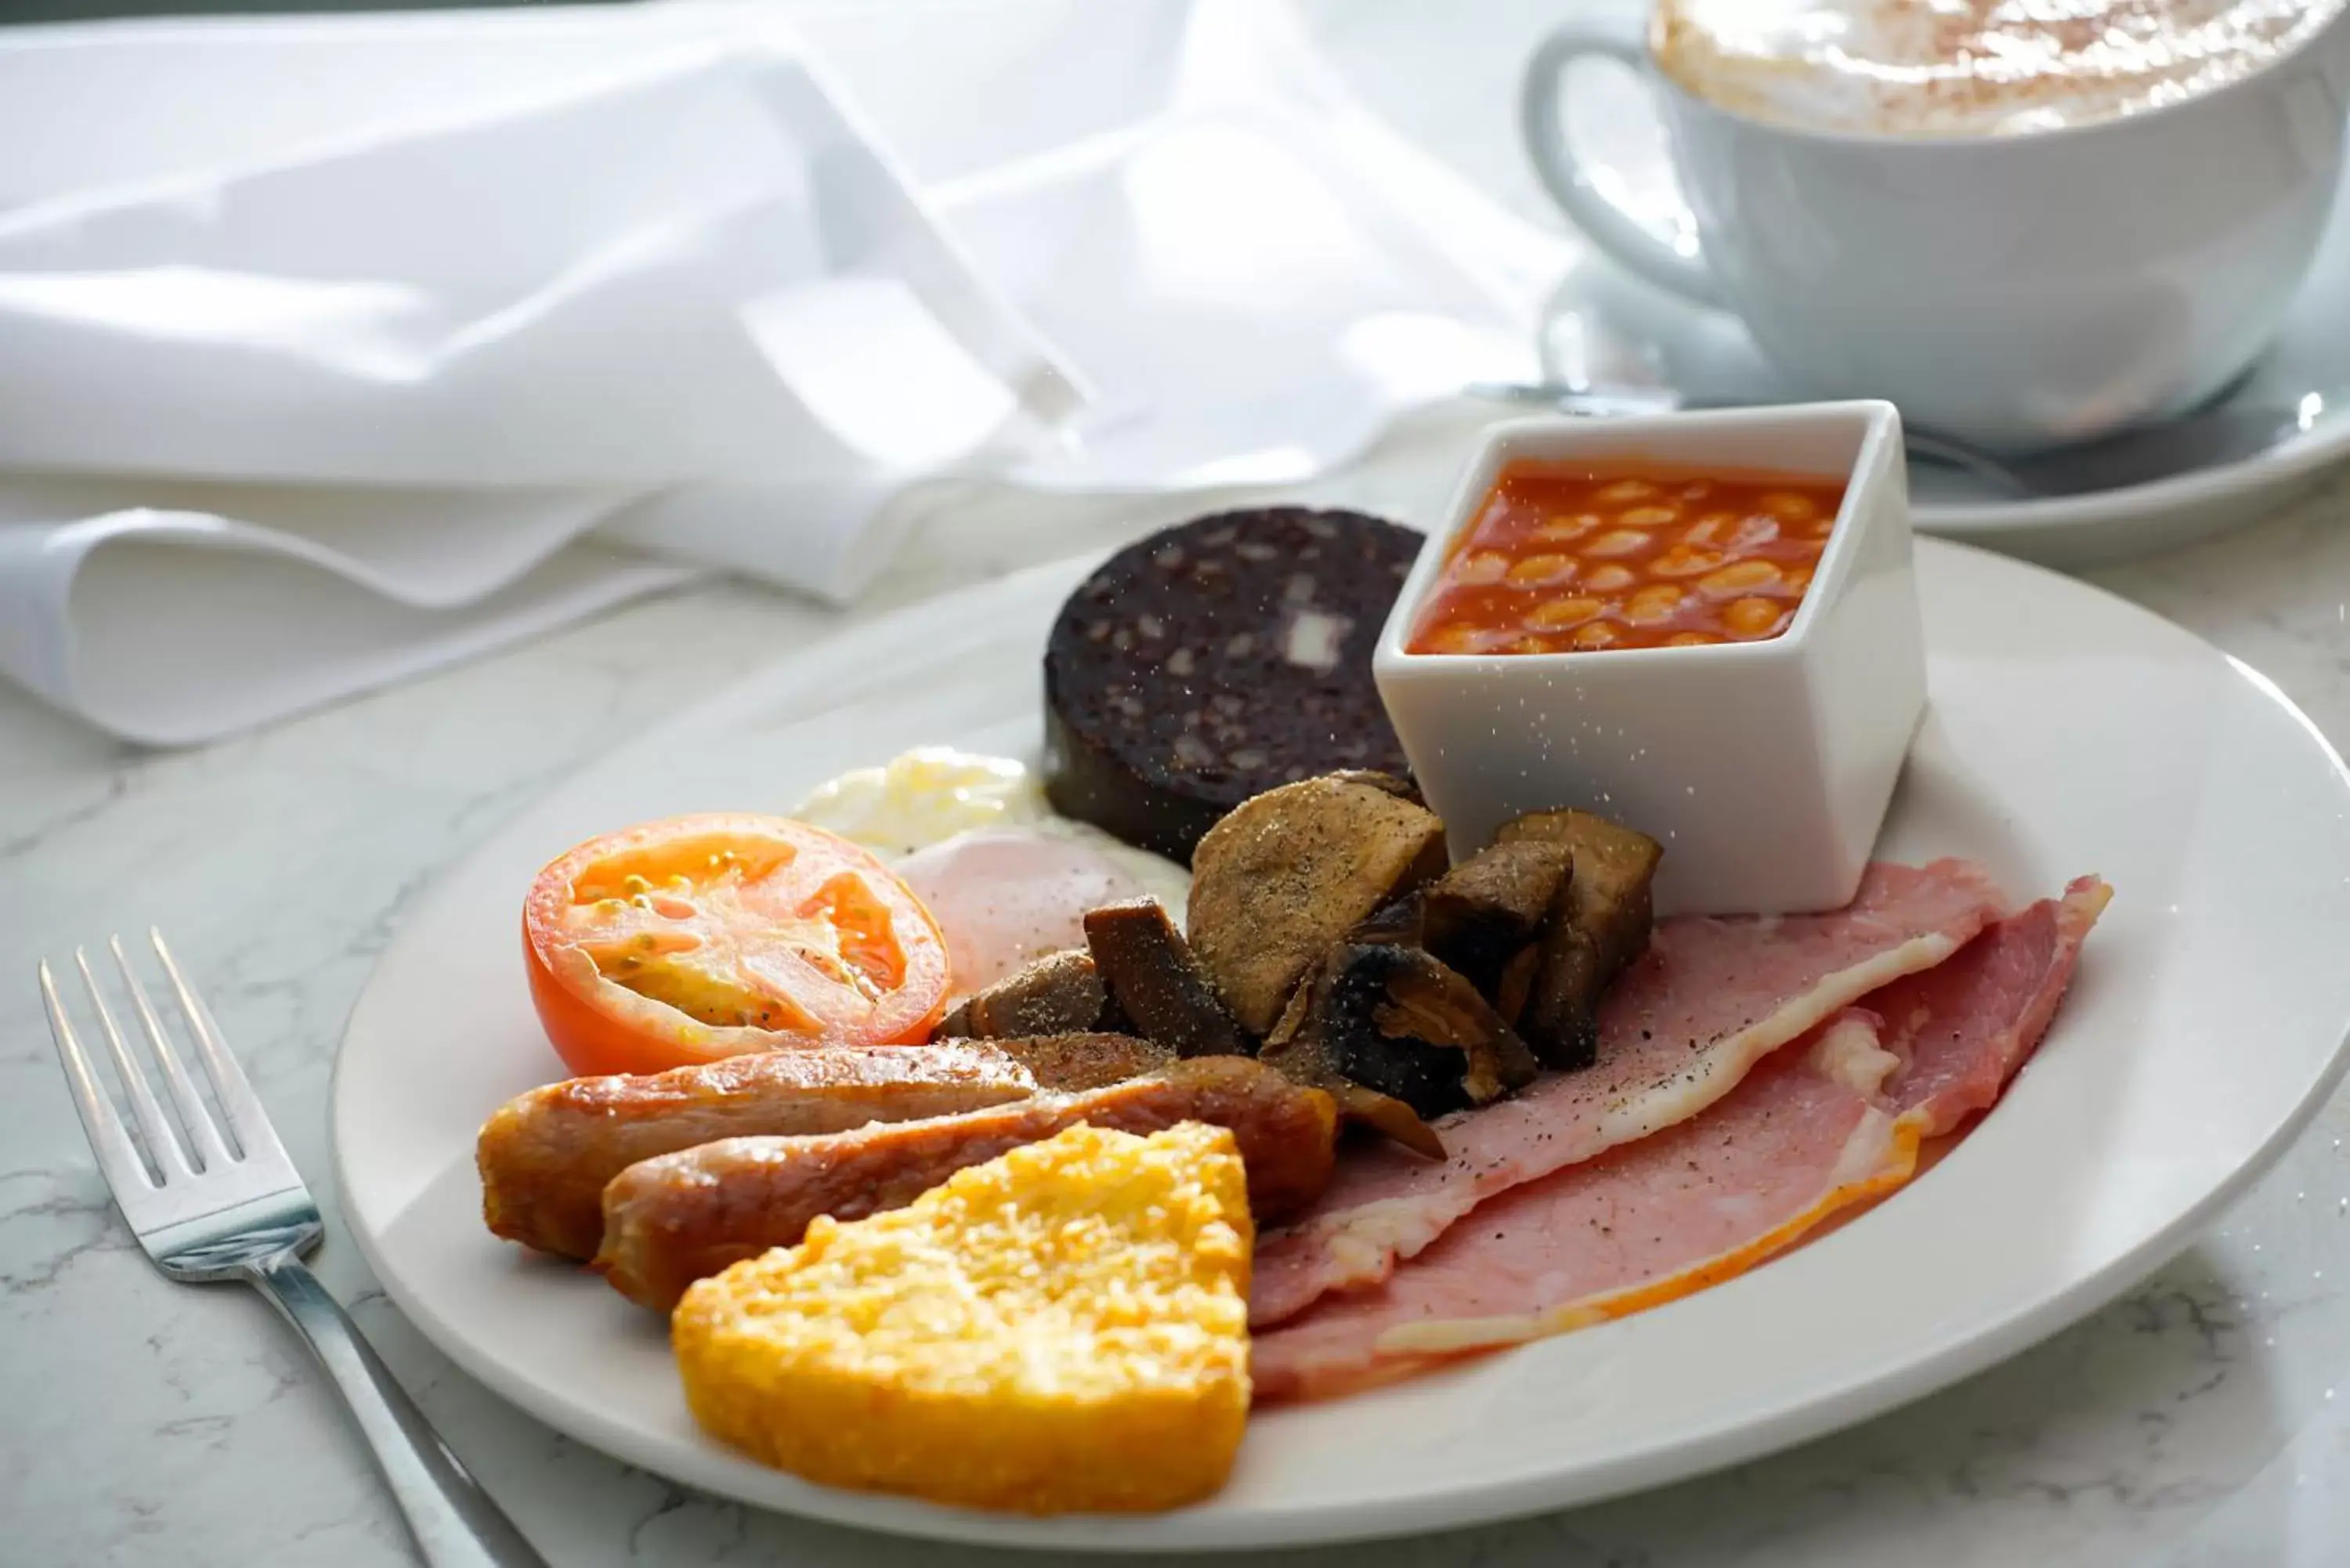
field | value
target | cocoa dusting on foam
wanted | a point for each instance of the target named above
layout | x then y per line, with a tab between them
1969	68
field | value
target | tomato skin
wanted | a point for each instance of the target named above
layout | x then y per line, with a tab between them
590	1043
598	1026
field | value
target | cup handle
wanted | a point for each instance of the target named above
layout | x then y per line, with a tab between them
1571	184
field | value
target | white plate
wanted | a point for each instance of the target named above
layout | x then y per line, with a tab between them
2069	733
1606	327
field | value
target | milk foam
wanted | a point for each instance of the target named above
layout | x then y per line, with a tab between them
1968	68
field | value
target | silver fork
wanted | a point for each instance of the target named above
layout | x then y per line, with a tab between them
234	1208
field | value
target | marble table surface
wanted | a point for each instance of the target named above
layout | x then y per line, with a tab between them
2195	1421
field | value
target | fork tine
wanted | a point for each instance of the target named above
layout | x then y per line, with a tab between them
211	1152
163	1148
118	1158
247	1122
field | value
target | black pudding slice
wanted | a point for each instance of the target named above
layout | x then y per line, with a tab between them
1215	660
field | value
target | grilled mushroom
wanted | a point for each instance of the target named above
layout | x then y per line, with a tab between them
1155	983
1403	923
1597	926
1402	788
1400	1021
1286	874
1057	994
1297	1049
1483	916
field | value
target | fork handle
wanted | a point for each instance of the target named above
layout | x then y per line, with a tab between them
455	1524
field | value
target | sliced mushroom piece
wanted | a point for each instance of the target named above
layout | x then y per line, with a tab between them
1598	925
1156	983
1287	874
1402	788
1401	924
1296	1049
1484	915
1516	985
1400	1021
1072	1063
1057	994
1560	1013
1383	1113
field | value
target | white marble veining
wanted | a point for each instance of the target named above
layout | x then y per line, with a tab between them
2202	1419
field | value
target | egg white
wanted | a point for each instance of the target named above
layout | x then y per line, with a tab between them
933	794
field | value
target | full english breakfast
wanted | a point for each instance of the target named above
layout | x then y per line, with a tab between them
989	1132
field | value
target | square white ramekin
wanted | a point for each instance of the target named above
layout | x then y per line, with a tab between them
1764	768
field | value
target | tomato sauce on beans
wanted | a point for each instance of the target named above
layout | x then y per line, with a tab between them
1565	560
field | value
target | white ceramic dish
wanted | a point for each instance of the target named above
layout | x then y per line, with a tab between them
1805	731
2069	733
1608	328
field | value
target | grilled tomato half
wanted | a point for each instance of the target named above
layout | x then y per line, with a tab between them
700	937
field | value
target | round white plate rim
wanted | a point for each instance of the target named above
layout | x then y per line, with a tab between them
1863	1393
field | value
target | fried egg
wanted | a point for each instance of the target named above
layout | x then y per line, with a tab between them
1007	879
924	797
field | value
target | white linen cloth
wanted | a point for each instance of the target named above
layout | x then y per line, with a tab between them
335	350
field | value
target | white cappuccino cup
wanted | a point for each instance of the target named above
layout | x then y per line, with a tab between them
2019	261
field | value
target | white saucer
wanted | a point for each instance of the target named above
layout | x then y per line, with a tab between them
1606	327
2069	733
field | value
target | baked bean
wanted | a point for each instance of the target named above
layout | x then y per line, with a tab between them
1713	528
1484	566
1687	561
1569	559
1552	615
1738	578
1755	617
1542	571
1653	604
1618	542
1565	529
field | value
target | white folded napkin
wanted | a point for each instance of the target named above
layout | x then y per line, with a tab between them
325	342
